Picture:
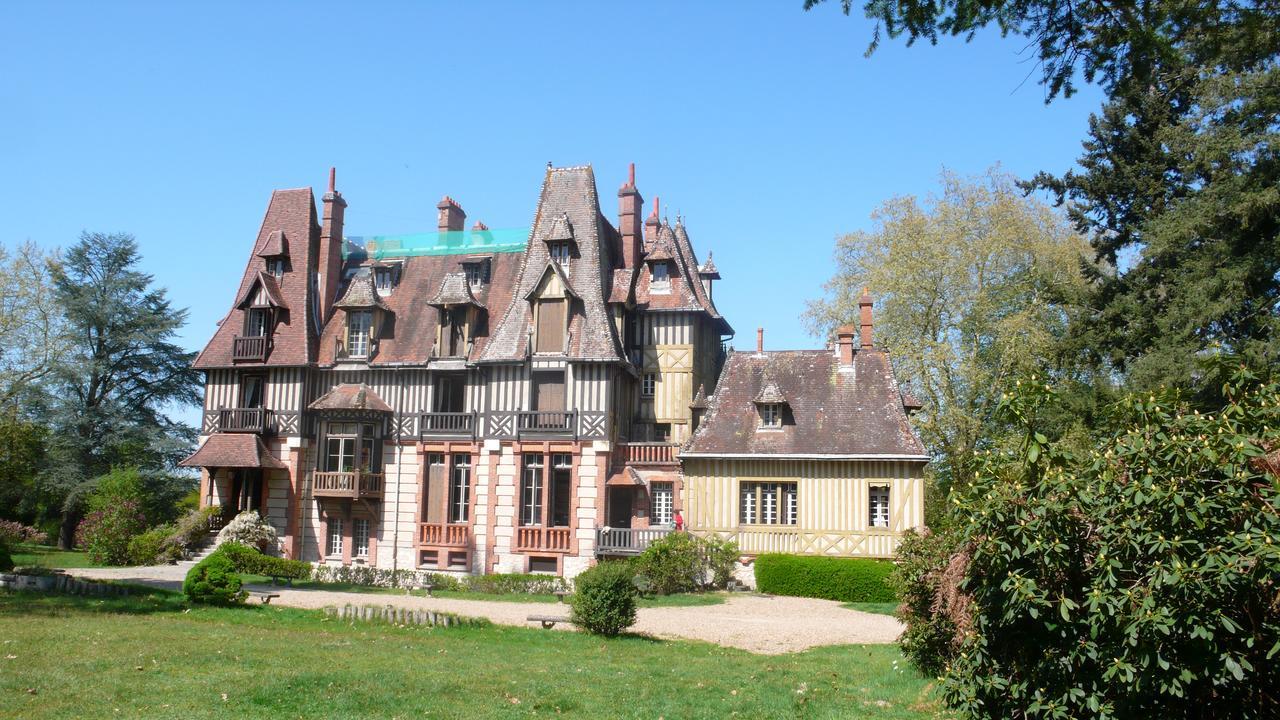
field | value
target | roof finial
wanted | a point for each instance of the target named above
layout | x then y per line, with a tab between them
333	179
631	175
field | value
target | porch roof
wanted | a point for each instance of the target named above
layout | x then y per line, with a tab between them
233	450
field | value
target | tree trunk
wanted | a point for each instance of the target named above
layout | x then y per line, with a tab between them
67	532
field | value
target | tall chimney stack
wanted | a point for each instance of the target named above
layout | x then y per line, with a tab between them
451	216
844	344
864	318
630	206
330	260
760	340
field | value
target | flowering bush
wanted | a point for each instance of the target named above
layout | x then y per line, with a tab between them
105	534
12	533
248	528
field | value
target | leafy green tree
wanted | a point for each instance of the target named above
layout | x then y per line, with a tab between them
973	287
1136	579
31	339
22	445
107	402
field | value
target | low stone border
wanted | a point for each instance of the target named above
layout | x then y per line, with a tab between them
400	616
60	583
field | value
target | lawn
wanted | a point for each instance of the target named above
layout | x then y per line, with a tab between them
47	556
880	608
150	657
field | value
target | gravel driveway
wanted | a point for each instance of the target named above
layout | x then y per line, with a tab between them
756	623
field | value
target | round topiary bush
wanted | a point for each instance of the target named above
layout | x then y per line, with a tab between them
604	599
213	581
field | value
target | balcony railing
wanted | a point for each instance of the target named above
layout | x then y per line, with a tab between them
627	541
542	539
650	453
249	349
547	422
455	424
252	420
352	484
443	534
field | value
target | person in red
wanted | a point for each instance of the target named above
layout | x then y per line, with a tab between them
678	519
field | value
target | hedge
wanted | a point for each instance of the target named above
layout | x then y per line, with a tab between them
251	562
843	579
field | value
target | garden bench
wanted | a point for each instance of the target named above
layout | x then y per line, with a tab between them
560	594
264	597
548	621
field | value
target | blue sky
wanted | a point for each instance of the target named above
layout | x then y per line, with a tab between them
762	124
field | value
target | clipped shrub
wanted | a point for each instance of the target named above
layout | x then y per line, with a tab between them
214	581
604	599
671	564
379	577
514	584
832	578
105	534
144	549
248	528
251	562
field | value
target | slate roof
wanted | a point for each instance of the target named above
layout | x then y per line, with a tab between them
275	246
361	292
831	413
708	269
566	192
269	286
686	291
292	213
233	450
350	396
699	401
455	290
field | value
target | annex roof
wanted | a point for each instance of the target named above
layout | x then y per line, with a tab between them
233	450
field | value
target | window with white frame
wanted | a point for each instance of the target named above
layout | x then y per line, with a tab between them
334	546
767	503
460	489
275	266
770	415
562	255
878	515
531	490
477	272
648	384
358	324
384	279
350	446
663	502
360	537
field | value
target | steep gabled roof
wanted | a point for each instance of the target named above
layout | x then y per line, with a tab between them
275	246
292	213
833	413
686	292
553	268
270	288
455	290
361	292
351	396
566	192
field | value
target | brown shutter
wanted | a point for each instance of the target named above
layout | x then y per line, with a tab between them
434	510
551	326
548	391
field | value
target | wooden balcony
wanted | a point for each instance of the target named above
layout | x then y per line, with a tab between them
252	420
627	541
649	453
453	535
557	423
354	484
249	349
447	424
543	539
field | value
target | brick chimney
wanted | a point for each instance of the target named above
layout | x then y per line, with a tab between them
630	206
451	215
844	344
864	318
330	260
652	222
760	340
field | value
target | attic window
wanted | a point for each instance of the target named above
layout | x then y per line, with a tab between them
770	415
358	324
275	266
384	278
562	255
477	272
660	277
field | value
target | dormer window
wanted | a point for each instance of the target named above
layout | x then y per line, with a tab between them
257	322
477	273
771	415
384	279
660	276
562	254
275	266
358	325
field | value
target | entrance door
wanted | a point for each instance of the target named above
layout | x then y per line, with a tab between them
620	507
246	490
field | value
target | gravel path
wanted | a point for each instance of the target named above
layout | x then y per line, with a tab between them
756	623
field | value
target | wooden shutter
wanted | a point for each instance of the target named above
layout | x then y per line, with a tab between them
433	512
551	326
548	391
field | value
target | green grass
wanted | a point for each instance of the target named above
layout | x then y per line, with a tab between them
47	556
880	608
680	600
149	657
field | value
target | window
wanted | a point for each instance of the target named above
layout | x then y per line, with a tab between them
660	276
531	490
562	255
360	537
663	501
648	384
477	272
257	322
384	279
433	494
251	391
561	482
771	415
349	446
334	546
662	432
767	503
358	323
879	506
551	326
460	489
275	266
453	329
